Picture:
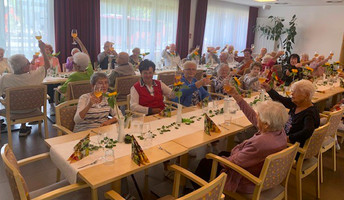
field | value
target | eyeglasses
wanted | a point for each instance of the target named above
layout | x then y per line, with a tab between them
190	69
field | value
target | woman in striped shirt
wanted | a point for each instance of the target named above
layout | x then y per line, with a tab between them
92	111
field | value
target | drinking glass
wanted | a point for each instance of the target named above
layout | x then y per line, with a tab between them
38	35
37	53
177	76
316	54
147	135
98	92
227	118
209	73
74	34
252	46
137	123
287	91
262	77
109	156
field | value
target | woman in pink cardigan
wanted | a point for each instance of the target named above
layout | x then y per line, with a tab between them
251	153
39	61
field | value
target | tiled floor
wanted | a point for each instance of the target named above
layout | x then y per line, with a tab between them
43	173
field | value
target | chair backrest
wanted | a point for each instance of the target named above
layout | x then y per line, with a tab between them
166	77
17	183
334	120
65	114
199	74
123	85
26	97
211	191
77	88
314	143
277	167
64	67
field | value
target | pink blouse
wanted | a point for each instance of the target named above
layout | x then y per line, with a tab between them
39	62
251	153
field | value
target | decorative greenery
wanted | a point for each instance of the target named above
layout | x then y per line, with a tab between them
108	143
177	88
277	30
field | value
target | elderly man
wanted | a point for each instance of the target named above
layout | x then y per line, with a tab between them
246	62
83	70
4	67
170	56
195	92
22	76
107	56
124	69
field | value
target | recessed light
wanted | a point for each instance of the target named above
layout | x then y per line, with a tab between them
334	1
264	1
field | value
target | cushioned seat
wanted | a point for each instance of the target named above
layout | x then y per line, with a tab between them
16	116
267	194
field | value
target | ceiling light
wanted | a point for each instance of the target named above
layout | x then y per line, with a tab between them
265	1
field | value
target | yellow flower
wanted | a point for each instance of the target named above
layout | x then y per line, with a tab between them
337	62
143	54
310	69
237	81
112	94
215	52
294	70
327	64
178	83
196	53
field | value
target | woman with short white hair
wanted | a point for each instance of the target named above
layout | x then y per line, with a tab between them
83	71
251	153
303	115
69	61
222	74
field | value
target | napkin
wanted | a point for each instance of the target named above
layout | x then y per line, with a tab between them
81	149
210	126
137	154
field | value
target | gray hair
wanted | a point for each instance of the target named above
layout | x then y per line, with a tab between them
74	49
304	86
81	59
275	116
97	76
187	63
2	49
135	49
17	63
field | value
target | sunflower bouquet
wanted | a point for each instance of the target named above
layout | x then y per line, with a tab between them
177	88
236	83
307	72
112	100
293	73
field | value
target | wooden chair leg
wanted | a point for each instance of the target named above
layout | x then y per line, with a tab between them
298	187
39	127
9	134
46	133
334	157
321	168
318	183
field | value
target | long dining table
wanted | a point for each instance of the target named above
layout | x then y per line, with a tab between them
177	143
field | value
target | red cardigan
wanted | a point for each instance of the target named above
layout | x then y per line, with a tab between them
146	99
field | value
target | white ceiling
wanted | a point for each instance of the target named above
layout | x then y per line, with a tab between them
289	2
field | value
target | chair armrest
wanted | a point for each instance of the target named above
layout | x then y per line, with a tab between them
63	129
326	112
187	174
62	191
301	150
113	195
323	115
235	167
33	159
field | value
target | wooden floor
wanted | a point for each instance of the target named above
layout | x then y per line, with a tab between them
43	172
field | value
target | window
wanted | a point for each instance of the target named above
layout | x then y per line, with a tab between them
147	24
226	24
20	20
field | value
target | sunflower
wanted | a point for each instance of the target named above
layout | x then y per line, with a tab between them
327	64
179	83
112	94
294	70
310	69
237	81
196	53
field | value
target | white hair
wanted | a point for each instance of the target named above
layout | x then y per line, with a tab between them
222	65
81	59
266	57
74	49
97	76
187	63
17	63
304	86
272	113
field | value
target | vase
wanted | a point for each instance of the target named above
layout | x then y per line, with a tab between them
179	114
120	130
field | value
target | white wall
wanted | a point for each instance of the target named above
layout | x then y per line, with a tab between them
319	28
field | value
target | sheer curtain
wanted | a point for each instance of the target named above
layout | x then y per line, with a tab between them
19	22
226	24
147	24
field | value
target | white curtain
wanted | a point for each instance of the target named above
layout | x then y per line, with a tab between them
147	24
20	20
226	24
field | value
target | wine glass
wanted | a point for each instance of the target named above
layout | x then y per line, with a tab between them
226	85
331	54
252	46
316	54
287	91
98	92
100	138
74	34
38	35
262	77
37	53
178	76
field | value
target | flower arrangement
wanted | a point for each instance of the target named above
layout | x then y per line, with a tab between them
177	88
144	54
293	73
274	78
112	100
307	72
237	84
195	54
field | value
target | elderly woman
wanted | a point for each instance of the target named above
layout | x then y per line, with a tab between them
317	65
107	56
292	63
83	70
69	61
147	95
211	56
222	74
305	59
259	57
246	62
53	61
251	153
4	67
93	111
22	76
303	115
135	58
195	92
170	56
250	80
